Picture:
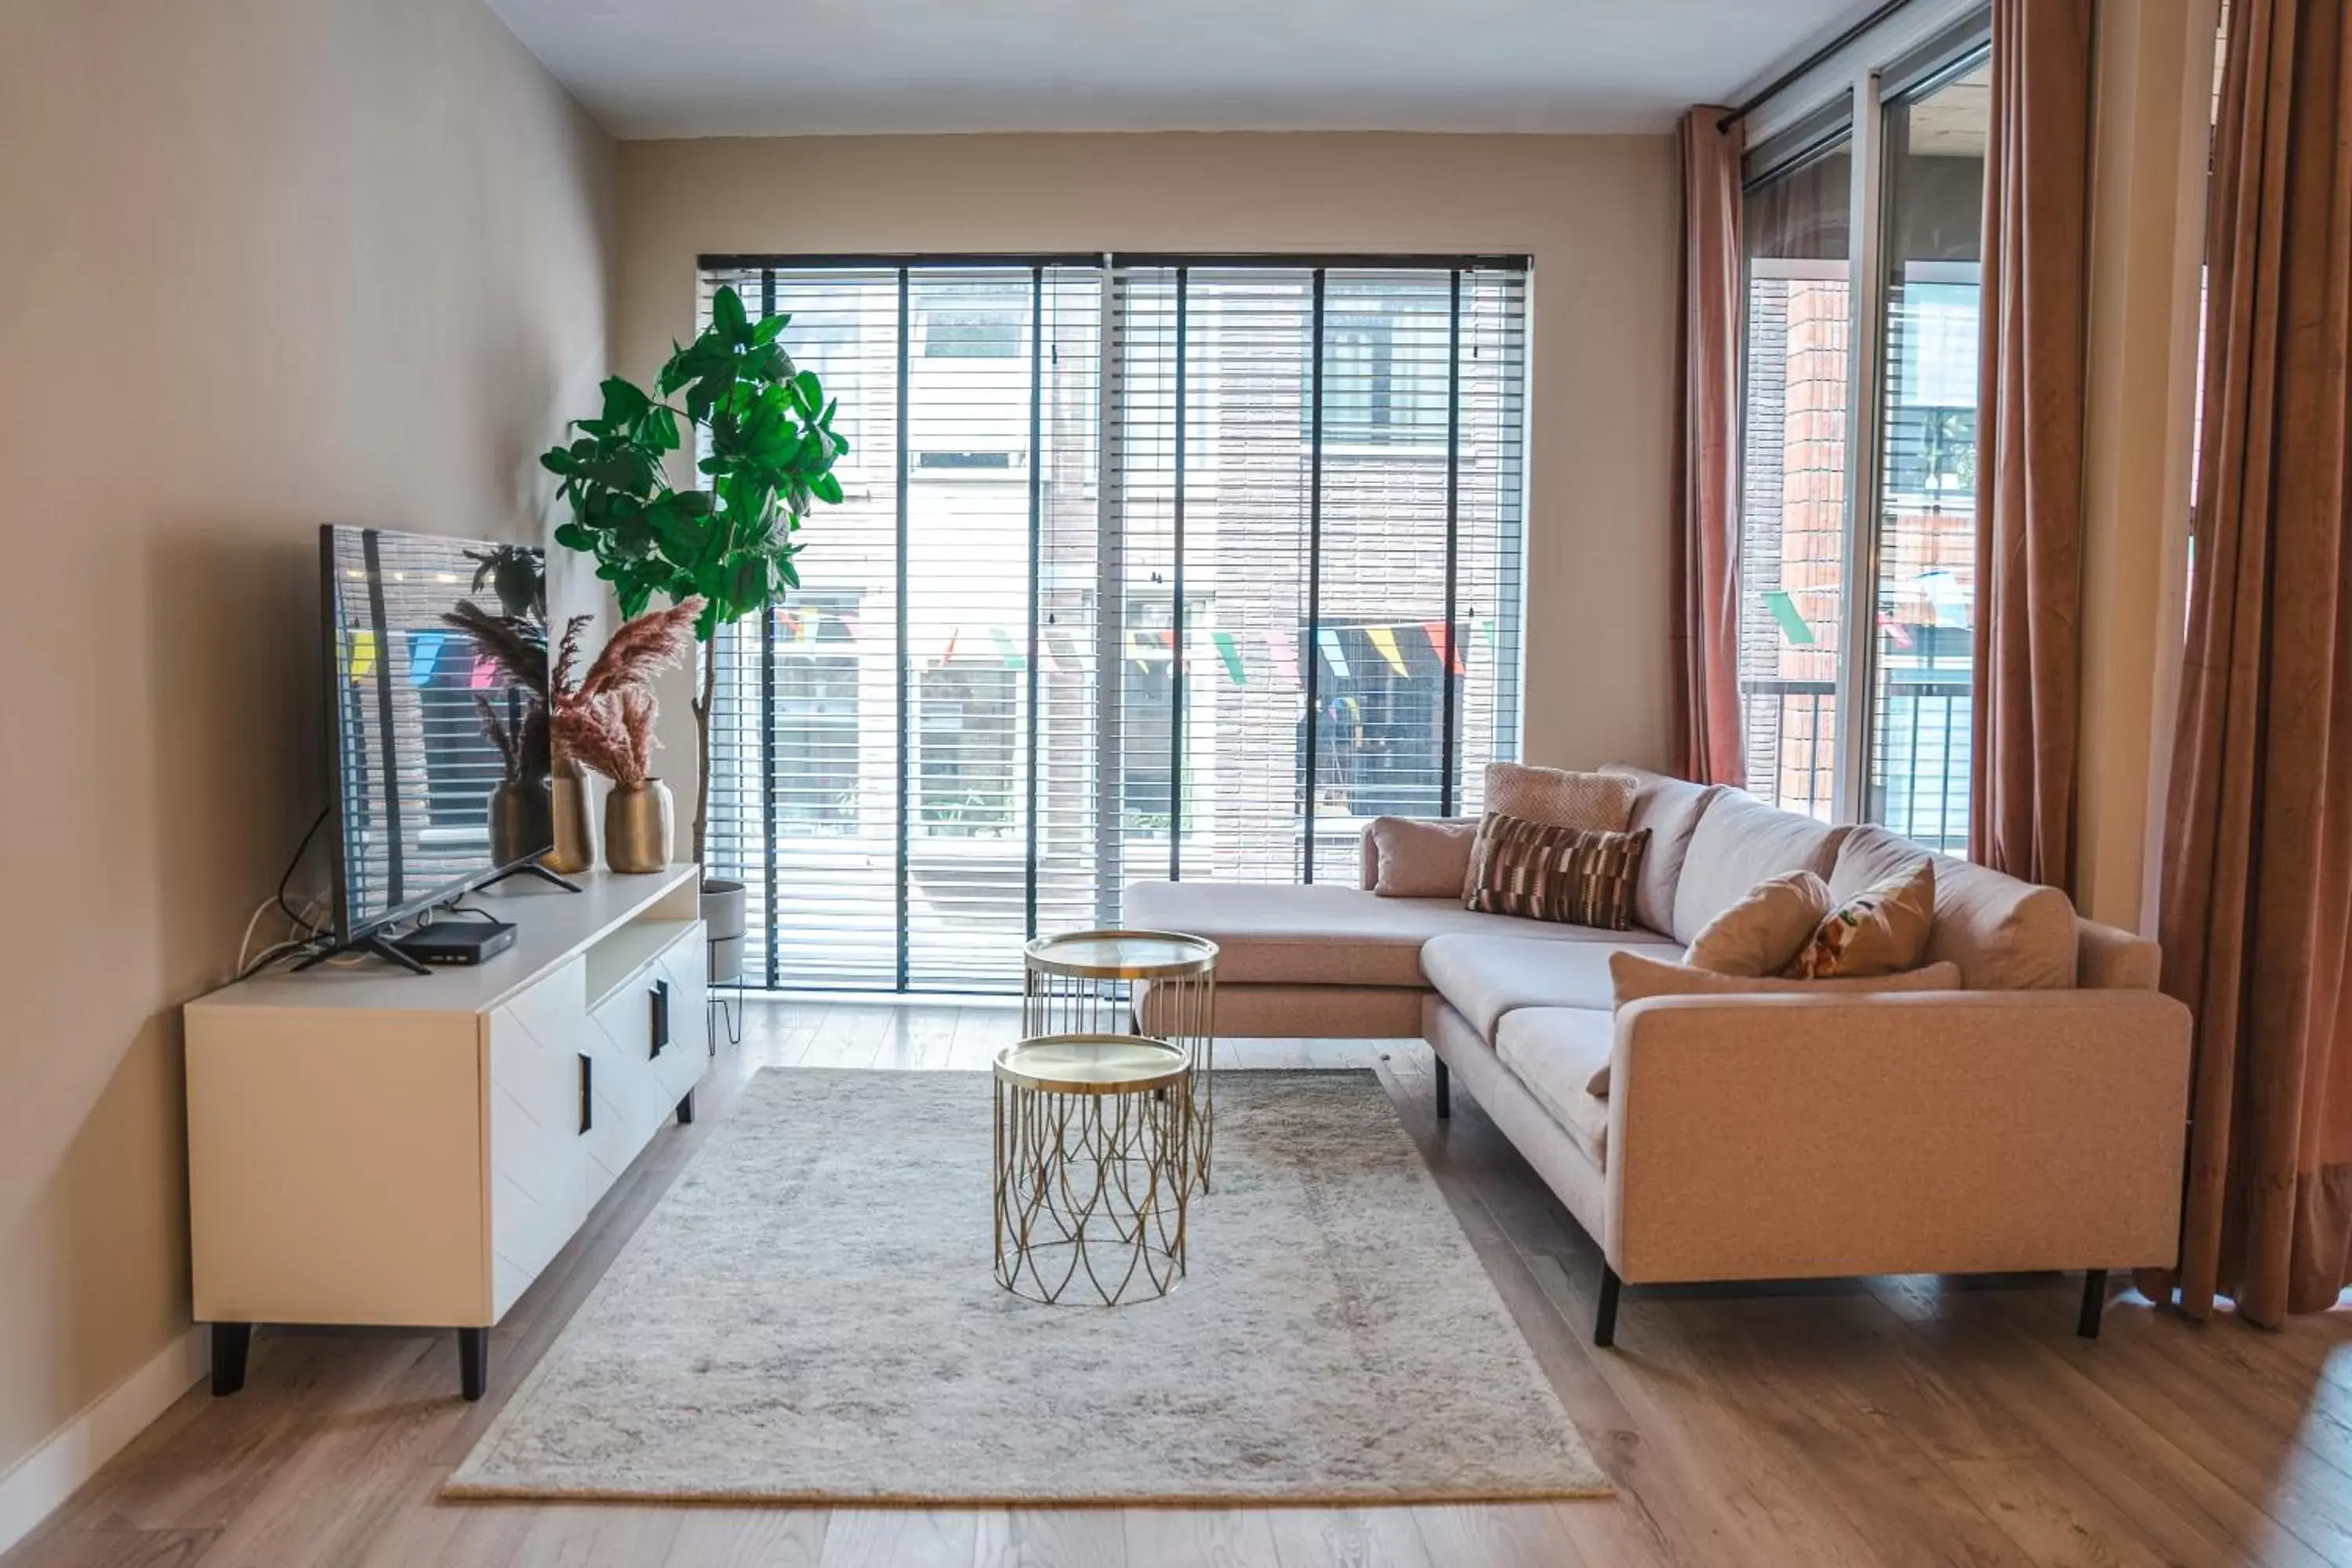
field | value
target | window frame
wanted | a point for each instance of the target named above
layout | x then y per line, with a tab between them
1440	440
1855	110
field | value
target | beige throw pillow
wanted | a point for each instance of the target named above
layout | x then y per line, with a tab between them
1421	860
1882	930
1763	932
1598	803
1638	976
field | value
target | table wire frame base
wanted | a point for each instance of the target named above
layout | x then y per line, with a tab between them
1179	1009
1091	1193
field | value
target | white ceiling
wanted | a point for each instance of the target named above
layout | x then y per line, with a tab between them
765	67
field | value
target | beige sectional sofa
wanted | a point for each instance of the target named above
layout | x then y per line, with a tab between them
2032	1121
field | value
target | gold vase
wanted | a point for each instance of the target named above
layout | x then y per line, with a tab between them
521	820
639	826
574	829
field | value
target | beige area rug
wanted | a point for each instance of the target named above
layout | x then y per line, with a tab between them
809	1315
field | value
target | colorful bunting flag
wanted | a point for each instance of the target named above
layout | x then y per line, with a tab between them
949	657
362	653
1384	642
1438	641
1792	620
423	653
485	672
1327	639
1231	652
1285	649
1012	657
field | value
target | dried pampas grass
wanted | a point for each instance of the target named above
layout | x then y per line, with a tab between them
607	723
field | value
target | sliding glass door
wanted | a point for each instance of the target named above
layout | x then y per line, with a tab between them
1858	543
1794	474
1923	659
1148	570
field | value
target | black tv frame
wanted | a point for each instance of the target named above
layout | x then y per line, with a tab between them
368	937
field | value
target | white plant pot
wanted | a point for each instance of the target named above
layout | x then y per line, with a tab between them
723	915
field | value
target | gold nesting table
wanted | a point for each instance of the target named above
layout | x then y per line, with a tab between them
1104	1113
1157	985
1092	1183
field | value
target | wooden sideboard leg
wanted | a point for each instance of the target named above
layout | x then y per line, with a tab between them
1444	1092
473	1361
686	1110
2094	1301
231	1344
1604	1322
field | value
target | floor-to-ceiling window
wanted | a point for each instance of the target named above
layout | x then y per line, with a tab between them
1148	566
1793	465
1863	234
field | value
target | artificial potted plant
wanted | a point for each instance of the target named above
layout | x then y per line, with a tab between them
768	459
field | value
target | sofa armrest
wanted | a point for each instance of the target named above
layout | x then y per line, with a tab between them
1782	1137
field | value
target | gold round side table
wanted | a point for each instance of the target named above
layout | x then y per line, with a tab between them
1091	1182
1157	985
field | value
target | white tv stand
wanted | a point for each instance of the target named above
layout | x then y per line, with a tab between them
366	1145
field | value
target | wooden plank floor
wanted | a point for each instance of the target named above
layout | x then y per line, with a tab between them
1861	1423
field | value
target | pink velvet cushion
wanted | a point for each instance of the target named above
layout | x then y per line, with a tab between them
1417	859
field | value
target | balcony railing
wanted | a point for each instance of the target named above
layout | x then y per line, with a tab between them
1919	763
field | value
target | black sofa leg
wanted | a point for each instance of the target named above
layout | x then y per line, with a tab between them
1445	1092
2095	1301
231	1343
1604	1322
473	1361
686	1110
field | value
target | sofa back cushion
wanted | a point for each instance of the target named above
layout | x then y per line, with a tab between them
1598	803
1670	809
2005	934
1419	857
1738	842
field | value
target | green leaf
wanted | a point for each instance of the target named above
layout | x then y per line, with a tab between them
808	392
624	402
827	489
727	315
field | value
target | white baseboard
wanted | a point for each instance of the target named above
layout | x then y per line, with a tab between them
37	1484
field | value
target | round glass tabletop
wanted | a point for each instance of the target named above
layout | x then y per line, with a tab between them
1122	954
1093	1063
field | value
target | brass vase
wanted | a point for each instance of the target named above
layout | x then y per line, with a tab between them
574	829
522	819
639	826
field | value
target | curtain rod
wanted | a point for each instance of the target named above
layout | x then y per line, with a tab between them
1755	100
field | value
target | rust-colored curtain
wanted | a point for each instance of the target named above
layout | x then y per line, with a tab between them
1707	461
2027	714
2257	895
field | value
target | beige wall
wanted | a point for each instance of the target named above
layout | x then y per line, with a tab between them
263	264
1596	214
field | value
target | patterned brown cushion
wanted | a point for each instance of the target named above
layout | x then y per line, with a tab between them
1570	875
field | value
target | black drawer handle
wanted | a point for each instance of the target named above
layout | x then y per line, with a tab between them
587	1093
661	1015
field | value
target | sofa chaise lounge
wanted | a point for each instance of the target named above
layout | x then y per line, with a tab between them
2032	1121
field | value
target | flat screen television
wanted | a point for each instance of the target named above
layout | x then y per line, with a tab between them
437	682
